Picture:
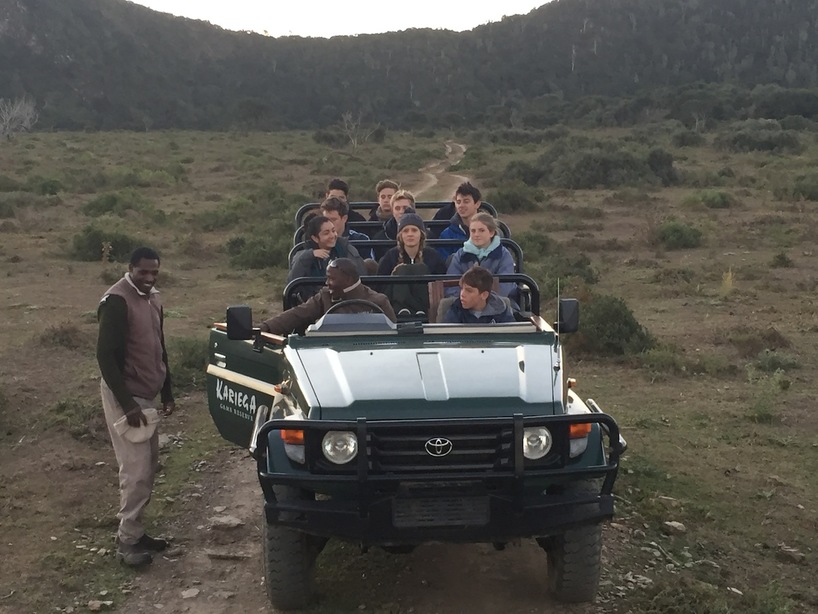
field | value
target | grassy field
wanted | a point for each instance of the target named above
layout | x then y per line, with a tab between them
712	381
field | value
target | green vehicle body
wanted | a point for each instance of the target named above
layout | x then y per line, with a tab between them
475	392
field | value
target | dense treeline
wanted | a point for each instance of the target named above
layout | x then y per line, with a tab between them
112	64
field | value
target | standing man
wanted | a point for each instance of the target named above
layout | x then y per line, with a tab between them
134	365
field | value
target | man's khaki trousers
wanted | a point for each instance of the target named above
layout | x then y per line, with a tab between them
137	468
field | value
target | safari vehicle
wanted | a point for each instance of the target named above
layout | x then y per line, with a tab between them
393	435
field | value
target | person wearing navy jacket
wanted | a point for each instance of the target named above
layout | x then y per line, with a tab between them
478	303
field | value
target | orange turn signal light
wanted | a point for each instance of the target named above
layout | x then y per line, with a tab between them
293	436
579	430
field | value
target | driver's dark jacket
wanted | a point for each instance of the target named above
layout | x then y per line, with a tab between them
300	317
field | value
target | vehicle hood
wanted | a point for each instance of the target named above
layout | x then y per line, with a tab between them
412	382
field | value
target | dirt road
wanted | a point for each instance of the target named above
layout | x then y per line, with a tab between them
435	182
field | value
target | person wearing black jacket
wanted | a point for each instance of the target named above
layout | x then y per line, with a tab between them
402	201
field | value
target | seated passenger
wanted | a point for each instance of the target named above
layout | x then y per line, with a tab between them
323	245
401	200
338	188
385	190
467	202
478	303
337	211
411	248
484	249
343	284
410	257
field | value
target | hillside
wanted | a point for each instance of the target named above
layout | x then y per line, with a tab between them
113	64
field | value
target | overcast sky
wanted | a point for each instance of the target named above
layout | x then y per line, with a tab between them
333	17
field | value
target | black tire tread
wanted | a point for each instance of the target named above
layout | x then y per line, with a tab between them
574	563
288	557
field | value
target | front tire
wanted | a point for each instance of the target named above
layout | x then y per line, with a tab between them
289	560
575	557
574	562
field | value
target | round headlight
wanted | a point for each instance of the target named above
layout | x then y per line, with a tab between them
536	442
340	446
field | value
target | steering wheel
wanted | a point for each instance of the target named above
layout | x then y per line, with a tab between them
355	301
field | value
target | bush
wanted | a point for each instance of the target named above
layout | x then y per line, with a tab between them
332	137
687	138
804	187
534	242
188	358
87	245
712	199
67	335
781	261
759	135
45	186
608	327
516	197
580	163
120	203
7	184
770	361
82	418
679	235
268	247
751	342
517	170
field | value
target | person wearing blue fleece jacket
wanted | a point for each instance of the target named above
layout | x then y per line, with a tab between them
477	303
483	249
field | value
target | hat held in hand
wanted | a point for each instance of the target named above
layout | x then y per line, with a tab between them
140	433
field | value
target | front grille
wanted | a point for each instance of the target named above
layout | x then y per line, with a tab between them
440	512
477	449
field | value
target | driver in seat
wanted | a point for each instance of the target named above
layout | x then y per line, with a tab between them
343	284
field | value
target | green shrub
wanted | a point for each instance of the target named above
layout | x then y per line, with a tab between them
516	197
750	342
687	138
804	187
7	184
267	247
712	199
759	135
517	170
674	234
581	163
67	335
608	327
332	137
120	203
81	417
534	243
188	358
45	186
88	243
781	261
770	361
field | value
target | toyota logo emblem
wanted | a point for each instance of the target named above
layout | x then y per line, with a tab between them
438	447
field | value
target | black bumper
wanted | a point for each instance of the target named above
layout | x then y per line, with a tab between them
455	506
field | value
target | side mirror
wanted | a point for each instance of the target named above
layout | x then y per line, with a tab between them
240	322
568	316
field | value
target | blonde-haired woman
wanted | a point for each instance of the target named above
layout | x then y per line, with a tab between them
483	248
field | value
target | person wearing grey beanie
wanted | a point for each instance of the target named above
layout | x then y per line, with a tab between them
411	247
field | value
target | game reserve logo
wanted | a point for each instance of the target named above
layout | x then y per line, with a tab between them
236	402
